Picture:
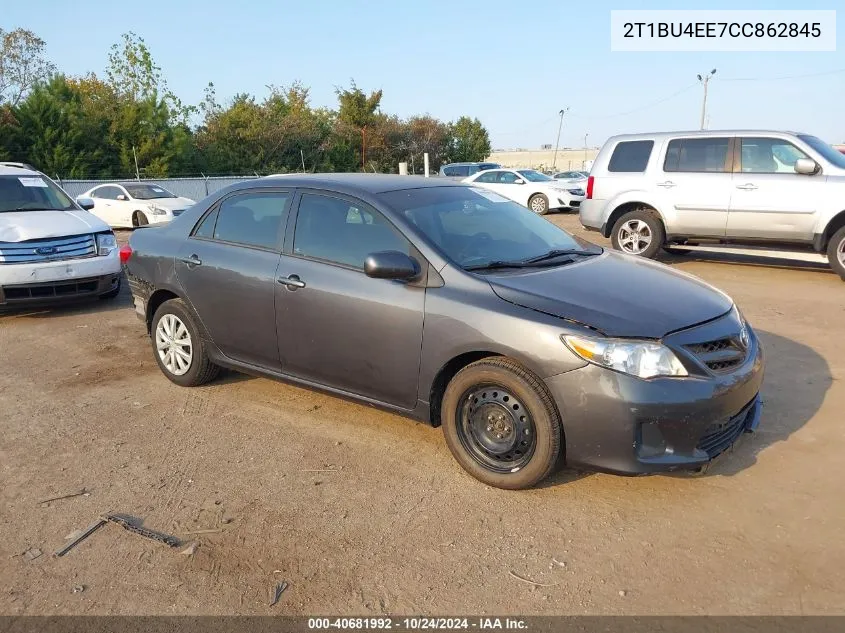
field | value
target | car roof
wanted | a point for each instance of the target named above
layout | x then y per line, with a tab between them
703	133
8	168
366	183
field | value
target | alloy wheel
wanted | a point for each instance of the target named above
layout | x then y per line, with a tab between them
634	236
173	344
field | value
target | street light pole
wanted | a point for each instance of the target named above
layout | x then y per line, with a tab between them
557	143
585	149
705	80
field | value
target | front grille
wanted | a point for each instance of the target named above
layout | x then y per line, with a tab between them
720	435
575	204
45	250
720	355
52	289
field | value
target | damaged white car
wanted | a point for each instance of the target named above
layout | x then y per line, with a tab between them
51	248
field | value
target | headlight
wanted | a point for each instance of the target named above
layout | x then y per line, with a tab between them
576	192
638	358
106	243
156	210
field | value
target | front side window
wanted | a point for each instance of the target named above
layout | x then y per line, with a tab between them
109	192
250	219
769	156
507	177
697	155
32	193
630	156
473	226
342	232
488	177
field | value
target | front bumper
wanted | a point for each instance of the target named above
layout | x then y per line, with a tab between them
50	282
617	423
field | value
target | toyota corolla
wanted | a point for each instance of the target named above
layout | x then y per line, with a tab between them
451	304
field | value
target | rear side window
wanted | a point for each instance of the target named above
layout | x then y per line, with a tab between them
253	219
697	155
630	156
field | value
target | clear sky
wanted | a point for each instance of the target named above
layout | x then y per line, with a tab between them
514	65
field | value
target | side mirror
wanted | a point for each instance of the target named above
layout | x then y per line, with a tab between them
121	196
391	265
85	202
519	181
806	166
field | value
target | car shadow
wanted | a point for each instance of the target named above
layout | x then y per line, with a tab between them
794	387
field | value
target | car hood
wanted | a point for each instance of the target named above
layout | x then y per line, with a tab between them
170	203
18	226
616	294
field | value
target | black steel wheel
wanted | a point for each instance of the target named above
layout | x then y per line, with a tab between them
501	424
496	429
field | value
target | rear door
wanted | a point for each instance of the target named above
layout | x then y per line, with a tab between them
770	200
228	270
696	185
337	327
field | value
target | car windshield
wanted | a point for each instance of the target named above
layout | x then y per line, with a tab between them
32	193
533	176
474	227
826	150
148	192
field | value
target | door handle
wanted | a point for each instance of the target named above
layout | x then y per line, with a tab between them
667	185
747	187
292	282
193	260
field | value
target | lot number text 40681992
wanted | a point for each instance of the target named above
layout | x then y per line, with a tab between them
416	623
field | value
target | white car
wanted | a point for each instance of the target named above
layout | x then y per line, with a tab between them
135	204
573	177
51	249
530	188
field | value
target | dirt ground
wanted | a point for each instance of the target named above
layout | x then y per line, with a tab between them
364	512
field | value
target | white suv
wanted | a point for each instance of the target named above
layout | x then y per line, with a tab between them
653	191
51	248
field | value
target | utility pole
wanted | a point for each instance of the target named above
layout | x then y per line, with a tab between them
363	148
557	143
705	80
135	156
585	149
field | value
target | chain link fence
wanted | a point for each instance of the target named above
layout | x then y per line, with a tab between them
194	188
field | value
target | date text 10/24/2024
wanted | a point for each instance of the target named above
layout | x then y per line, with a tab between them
416	623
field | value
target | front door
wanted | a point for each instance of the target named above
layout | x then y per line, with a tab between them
228	270
337	327
695	186
770	200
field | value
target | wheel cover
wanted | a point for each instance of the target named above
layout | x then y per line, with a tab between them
840	252
538	204
496	429
634	237
173	344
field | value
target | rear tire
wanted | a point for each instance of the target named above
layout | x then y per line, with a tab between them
139	219
501	424
539	204
836	252
638	232
178	348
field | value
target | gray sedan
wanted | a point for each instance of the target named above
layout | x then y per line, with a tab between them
452	305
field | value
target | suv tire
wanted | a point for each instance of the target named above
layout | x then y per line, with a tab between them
638	232
836	252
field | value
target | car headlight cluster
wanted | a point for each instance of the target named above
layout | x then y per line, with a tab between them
106	243
157	210
644	359
576	192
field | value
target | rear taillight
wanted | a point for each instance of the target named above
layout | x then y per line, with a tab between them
125	253
590	181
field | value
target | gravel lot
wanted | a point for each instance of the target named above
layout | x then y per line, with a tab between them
364	512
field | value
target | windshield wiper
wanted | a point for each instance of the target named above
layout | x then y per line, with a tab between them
30	209
499	264
559	252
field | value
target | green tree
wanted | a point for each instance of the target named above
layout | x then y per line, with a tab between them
469	142
22	64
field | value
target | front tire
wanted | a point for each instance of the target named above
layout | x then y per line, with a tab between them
501	424
836	252
178	347
139	219
638	232
539	204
